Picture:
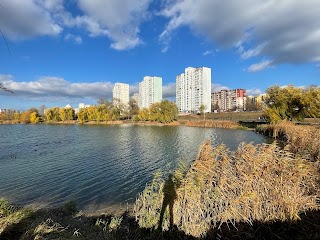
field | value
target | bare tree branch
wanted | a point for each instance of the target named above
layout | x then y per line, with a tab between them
4	88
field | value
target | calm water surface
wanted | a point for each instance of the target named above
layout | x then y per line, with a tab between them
97	166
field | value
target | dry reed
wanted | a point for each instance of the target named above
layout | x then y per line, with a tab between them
213	124
301	140
255	183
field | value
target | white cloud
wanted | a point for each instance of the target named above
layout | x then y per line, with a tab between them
253	92
251	52
53	87
75	38
134	88
217	87
259	66
286	33
118	19
56	87
169	91
26	19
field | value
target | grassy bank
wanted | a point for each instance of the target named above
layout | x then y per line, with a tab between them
213	124
230	116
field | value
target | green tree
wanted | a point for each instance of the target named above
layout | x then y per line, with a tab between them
82	115
292	103
66	114
163	112
53	114
143	114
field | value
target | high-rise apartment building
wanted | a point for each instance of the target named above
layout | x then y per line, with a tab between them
193	88
150	91
229	100
120	93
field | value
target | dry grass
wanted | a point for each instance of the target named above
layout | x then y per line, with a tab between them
231	116
213	124
148	205
300	140
255	183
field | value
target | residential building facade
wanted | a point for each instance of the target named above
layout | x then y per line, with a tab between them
229	100
120	93
150	91
7	111
193	89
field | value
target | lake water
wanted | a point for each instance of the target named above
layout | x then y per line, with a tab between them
98	167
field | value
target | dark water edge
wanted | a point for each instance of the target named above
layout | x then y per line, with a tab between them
99	167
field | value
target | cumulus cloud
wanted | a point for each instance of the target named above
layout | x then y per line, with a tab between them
217	87
53	87
169	91
259	66
287	32
253	92
118	19
26	19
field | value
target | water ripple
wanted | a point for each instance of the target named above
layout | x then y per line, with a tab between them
96	166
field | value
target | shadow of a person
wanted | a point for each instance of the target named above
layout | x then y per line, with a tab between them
170	195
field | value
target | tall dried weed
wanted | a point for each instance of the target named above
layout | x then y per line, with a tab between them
301	140
255	183
213	124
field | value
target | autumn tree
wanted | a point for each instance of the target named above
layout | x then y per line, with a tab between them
134	108
34	117
143	114
53	114
163	112
66	114
30	116
292	103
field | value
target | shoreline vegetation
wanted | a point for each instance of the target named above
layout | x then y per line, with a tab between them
266	191
257	192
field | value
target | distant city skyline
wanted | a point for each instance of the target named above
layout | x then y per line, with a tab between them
62	52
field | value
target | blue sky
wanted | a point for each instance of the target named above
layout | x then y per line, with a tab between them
74	51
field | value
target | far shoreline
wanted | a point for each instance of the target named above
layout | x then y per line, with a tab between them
228	124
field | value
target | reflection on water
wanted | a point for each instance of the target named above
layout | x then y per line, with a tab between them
96	166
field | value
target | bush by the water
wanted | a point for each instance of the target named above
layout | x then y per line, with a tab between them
255	183
300	140
163	112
